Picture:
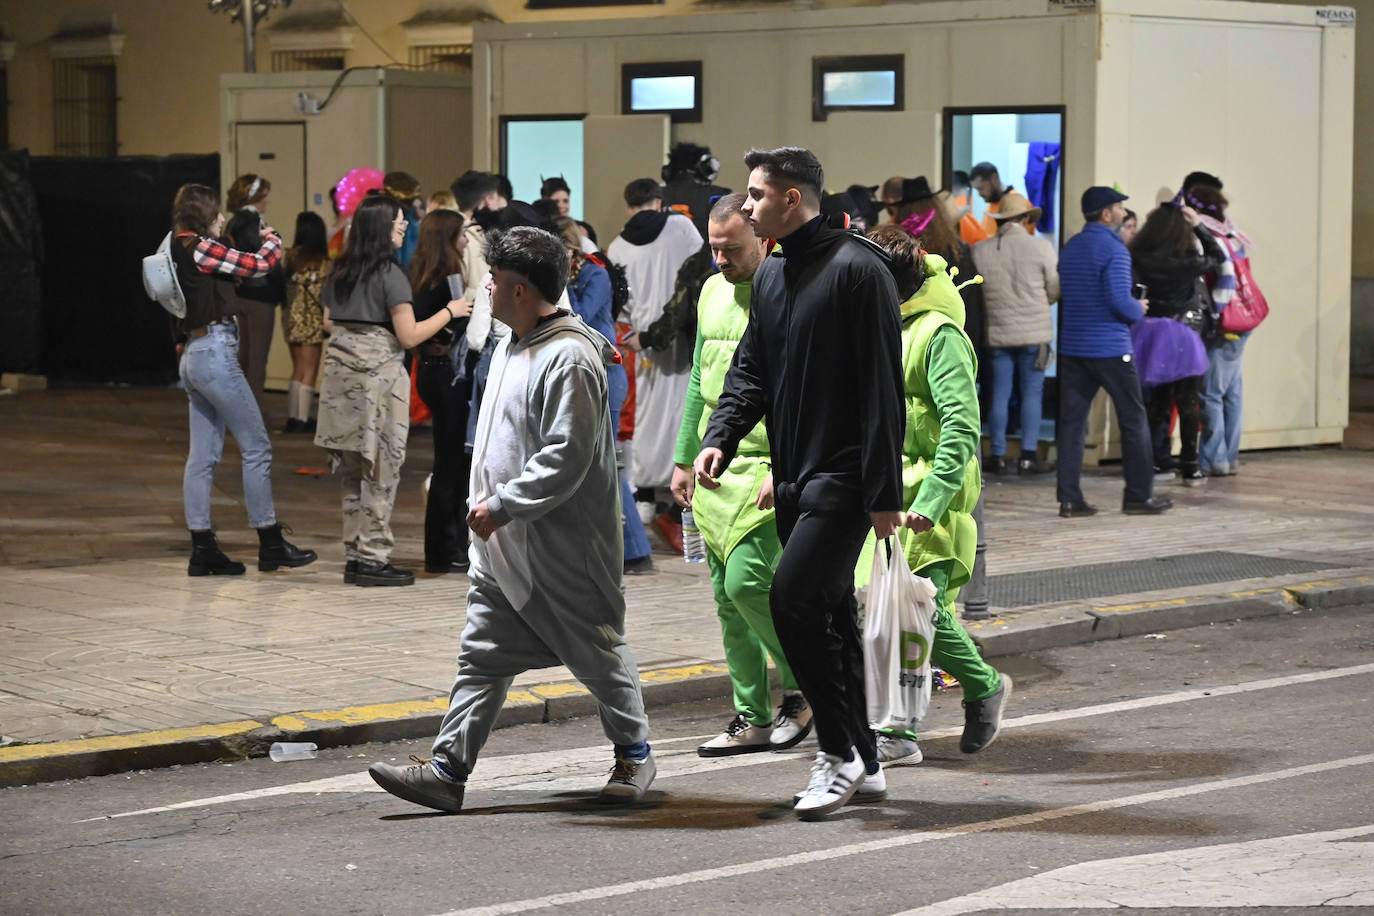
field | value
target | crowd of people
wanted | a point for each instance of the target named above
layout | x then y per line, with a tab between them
806	371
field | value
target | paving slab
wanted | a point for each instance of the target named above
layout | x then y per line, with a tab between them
112	658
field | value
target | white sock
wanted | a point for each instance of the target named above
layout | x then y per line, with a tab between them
298	401
307	401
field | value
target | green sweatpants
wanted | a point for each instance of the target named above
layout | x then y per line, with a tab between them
741	584
953	650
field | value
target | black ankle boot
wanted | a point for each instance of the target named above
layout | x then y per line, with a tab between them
207	559
275	551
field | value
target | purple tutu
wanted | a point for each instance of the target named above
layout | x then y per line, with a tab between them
1166	351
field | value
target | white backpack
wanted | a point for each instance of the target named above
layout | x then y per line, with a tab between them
160	279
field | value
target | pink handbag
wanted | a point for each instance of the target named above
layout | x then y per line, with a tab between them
1249	307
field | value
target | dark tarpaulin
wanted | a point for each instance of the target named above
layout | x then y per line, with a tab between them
100	218
21	255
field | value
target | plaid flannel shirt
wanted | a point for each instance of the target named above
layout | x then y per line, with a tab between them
214	257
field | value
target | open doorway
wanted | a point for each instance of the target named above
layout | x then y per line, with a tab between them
1026	146
535	147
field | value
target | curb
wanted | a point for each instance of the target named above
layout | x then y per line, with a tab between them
1078	623
1047	628
60	760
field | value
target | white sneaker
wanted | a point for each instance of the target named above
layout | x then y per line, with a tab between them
832	784
873	788
896	751
793	723
647	512
740	737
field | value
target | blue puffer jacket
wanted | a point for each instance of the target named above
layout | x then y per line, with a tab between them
1096	308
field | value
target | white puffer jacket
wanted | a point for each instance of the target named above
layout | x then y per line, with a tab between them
1020	281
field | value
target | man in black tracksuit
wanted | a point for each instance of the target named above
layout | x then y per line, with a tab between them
820	361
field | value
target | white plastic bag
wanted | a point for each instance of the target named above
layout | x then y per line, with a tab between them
899	627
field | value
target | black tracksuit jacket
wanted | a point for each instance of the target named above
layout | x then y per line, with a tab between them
821	361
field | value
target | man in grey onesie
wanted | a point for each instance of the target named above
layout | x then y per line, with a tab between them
548	558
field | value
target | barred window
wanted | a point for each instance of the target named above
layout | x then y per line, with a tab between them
455	58
84	106
314	59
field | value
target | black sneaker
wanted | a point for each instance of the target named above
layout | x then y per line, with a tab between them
1193	478
1155	505
996	464
459	566
983	719
382	574
640	566
1076	510
420	784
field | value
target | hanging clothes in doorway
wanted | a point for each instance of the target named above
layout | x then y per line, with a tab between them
1042	170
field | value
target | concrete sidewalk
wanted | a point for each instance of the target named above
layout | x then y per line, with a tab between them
112	658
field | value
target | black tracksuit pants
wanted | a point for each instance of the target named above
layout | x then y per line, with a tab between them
815	615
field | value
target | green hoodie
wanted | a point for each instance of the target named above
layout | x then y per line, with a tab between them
940	475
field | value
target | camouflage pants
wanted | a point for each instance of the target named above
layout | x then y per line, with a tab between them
367	504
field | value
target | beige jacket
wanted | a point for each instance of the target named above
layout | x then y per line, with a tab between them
1020	281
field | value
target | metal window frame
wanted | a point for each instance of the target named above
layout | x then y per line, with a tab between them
650	69
857	63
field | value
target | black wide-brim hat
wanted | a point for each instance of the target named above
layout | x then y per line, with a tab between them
915	190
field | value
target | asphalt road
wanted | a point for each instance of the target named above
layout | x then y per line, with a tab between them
1222	768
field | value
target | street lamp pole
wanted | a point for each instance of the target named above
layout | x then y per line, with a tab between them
250	54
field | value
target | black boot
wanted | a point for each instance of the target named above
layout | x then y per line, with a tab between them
207	559
275	551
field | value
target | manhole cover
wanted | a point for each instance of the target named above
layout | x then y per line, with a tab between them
1101	579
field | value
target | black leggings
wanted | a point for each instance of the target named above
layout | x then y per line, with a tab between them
446	528
1159	404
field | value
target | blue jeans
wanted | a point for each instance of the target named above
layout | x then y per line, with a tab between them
1021	360
1221	403
636	540
220	398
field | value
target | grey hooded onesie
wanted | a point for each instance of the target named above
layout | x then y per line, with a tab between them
546	585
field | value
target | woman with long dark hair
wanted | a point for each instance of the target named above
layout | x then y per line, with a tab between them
215	384
443	384
302	321
1170	255
365	398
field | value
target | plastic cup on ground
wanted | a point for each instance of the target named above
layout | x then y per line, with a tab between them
292	750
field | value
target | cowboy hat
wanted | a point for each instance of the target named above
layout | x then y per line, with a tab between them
1015	206
160	279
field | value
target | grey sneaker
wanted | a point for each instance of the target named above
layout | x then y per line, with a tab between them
793	723
740	737
895	751
420	784
630	779
831	786
983	719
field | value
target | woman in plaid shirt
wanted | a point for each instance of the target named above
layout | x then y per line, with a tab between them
215	384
